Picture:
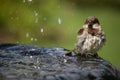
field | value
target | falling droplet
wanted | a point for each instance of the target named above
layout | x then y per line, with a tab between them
59	21
23	1
32	39
17	42
37	60
36	13
30	0
38	67
35	39
31	57
35	66
36	20
36	16
44	18
41	30
27	34
65	60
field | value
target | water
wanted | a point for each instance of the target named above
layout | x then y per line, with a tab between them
59	20
27	34
32	39
35	39
29	0
36	16
45	19
41	30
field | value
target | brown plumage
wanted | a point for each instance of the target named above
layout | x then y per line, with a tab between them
90	37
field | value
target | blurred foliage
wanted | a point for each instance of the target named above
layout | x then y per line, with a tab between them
56	22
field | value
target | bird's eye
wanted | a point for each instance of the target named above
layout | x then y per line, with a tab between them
94	22
90	26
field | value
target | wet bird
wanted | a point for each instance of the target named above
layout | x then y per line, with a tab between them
91	37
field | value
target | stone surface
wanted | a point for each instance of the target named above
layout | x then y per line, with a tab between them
29	62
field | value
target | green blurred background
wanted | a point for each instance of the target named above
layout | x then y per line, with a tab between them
54	23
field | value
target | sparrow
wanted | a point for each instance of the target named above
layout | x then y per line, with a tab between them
91	37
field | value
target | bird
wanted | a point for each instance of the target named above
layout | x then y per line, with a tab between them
90	38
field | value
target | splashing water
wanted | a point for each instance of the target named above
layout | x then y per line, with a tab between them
27	34
36	20
36	13
44	18
32	39
30	0
59	21
23	1
31	57
17	42
36	16
35	39
41	30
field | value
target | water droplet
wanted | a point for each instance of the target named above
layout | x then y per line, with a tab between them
33	49
23	1
44	18
30	0
32	39
35	66
35	39
37	60
27	34
36	20
41	30
65	60
31	57
36	16
36	13
38	67
17	42
59	21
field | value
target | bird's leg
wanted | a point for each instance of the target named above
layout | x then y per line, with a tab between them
69	53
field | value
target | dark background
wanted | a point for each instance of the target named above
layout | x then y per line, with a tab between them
52	23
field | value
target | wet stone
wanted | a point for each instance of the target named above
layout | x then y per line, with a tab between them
30	62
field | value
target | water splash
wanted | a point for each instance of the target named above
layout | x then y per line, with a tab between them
35	39
17	42
27	34
65	60
41	30
35	66
23	1
36	16
38	60
59	20
36	20
29	0
31	57
32	39
44	18
36	13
